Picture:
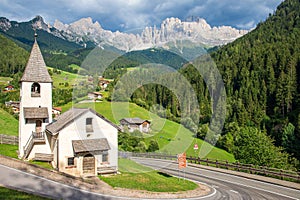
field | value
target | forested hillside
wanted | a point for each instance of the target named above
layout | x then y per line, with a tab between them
12	57
57	52
261	73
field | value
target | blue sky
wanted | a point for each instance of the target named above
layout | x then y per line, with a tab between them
131	15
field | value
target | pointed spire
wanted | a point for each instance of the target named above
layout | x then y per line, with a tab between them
36	70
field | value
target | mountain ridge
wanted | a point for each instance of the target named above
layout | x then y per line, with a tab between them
86	32
171	29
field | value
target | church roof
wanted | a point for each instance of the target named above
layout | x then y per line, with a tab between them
66	118
36	70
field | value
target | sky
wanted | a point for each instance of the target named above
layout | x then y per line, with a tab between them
132	15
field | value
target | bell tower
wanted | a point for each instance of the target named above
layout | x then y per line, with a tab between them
35	104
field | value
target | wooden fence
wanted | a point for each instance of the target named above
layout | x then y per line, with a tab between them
9	139
248	168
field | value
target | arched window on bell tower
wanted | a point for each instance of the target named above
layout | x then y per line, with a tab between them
35	90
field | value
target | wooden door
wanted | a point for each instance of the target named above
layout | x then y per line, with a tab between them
88	164
38	126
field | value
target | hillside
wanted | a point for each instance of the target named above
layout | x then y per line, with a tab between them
8	124
12	58
167	133
261	73
58	52
148	56
262	77
23	32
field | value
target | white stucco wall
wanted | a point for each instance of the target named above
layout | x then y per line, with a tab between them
25	130
77	131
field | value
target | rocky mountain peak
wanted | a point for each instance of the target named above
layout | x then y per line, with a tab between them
4	24
84	26
39	23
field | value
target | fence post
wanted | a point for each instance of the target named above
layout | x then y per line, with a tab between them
207	161
227	164
217	163
238	166
281	175
1	138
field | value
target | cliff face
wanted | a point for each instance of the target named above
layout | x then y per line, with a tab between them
171	30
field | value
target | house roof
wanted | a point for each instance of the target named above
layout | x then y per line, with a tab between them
69	116
36	70
57	108
81	146
135	120
9	86
35	113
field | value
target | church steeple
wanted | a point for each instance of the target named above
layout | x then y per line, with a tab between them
36	70
35	104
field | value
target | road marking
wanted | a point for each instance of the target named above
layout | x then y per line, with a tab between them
249	186
279	194
234	191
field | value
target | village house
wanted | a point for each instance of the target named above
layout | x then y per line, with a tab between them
15	105
80	142
132	124
95	95
103	83
9	88
56	112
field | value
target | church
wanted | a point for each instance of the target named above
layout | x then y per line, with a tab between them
81	142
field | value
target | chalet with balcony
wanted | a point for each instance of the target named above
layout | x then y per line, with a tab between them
132	124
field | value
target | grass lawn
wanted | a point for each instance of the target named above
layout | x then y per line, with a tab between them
46	165
172	137
8	124
9	150
66	77
6	193
136	176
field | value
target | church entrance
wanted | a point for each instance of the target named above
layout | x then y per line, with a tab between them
38	126
88	164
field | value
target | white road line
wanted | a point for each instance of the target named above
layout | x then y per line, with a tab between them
231	175
283	195
234	191
258	181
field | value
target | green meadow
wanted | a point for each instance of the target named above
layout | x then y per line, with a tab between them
136	176
60	79
8	124
172	137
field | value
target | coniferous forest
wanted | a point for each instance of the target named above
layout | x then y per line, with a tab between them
261	74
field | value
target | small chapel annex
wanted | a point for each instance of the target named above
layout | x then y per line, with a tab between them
81	142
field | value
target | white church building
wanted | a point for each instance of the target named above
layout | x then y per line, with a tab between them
81	142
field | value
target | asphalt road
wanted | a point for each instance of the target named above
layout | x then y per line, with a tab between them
225	186
16	179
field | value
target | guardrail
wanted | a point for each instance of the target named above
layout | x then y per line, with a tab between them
248	168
